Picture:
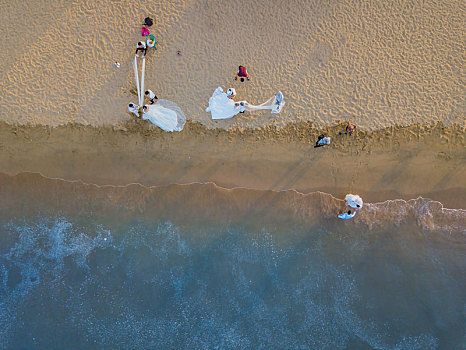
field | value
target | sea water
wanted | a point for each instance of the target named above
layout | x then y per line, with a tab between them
199	267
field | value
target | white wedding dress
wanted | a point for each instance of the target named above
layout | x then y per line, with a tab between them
222	107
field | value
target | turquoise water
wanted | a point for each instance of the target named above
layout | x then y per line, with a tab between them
89	277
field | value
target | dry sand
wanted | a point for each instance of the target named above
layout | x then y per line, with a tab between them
376	63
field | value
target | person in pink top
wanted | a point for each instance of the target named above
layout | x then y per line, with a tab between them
145	31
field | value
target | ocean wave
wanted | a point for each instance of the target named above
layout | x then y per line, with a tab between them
429	214
34	254
31	192
143	285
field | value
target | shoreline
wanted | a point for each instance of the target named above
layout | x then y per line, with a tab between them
31	195
391	163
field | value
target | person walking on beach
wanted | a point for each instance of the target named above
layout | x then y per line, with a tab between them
152	96
242	73
322	140
141	47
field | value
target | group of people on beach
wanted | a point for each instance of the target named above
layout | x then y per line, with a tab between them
242	75
141	49
323	140
354	202
148	94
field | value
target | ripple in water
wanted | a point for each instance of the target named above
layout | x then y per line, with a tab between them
143	285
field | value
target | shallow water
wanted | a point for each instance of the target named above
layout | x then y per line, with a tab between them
201	267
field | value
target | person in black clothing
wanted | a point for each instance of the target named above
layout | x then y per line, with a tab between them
322	140
152	96
141	47
148	21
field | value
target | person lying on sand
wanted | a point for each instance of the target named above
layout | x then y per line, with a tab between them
141	46
349	130
322	140
242	73
152	96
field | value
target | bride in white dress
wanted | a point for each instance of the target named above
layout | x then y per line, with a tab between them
223	107
167	115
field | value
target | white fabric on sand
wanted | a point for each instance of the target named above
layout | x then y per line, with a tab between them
222	107
354	201
166	115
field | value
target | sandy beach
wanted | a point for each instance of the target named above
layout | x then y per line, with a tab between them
373	63
396	71
395	162
228	233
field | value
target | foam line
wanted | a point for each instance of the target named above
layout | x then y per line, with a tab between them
231	189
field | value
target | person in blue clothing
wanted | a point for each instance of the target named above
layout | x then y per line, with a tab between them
347	215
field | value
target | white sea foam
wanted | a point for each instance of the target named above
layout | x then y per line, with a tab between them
143	283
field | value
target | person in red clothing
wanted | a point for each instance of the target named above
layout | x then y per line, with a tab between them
242	73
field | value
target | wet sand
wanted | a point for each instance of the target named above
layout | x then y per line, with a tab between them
395	162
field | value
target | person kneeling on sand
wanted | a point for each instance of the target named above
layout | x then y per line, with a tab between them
322	140
141	47
347	215
242	73
152	96
349	130
231	93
